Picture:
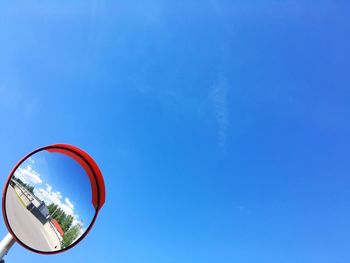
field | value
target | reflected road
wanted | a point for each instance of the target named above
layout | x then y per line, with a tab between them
25	225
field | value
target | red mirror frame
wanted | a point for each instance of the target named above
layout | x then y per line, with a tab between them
95	177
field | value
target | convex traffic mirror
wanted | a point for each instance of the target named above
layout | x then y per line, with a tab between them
52	198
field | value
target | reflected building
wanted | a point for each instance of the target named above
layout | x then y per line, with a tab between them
31	201
41	212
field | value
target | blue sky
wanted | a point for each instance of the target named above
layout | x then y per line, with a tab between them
221	127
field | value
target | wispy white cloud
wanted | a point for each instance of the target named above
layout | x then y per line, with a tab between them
220	92
69	203
47	195
28	175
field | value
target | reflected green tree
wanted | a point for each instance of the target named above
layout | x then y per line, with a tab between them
62	218
71	235
52	209
67	223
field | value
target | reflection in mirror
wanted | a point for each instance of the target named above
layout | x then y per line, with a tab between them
48	201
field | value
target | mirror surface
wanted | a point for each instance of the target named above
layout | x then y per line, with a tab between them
48	201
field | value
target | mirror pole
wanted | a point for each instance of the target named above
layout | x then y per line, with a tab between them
5	245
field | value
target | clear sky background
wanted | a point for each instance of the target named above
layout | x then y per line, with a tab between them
221	127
